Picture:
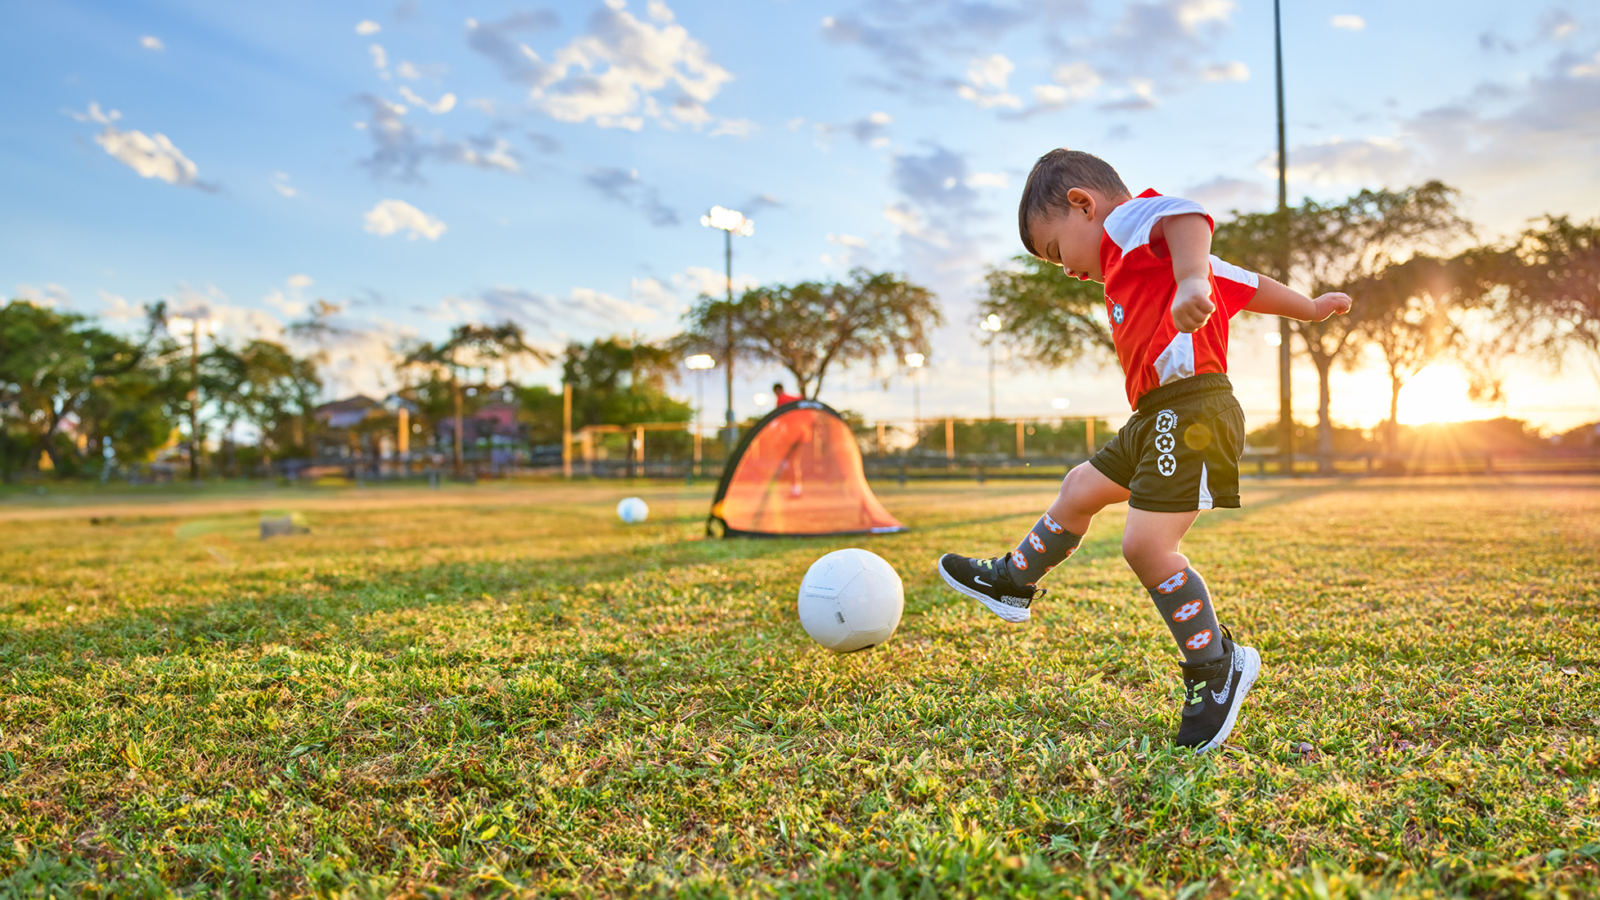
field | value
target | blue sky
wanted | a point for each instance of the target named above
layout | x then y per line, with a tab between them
426	163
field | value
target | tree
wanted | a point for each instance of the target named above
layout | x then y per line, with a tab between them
261	383
1544	289
471	345
620	382
1050	320
1337	247
51	364
1408	316
808	327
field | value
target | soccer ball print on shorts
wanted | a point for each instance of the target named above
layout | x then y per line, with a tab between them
1180	451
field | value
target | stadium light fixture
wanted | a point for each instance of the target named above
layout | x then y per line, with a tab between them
730	222
701	361
1060	403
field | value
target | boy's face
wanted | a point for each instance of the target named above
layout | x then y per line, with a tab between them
1070	238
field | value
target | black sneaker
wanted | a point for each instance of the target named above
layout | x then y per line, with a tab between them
988	581
1213	693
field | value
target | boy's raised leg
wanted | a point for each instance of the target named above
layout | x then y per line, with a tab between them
1217	672
1008	584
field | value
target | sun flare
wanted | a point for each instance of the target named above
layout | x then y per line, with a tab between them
1438	394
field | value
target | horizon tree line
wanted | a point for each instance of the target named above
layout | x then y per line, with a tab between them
78	399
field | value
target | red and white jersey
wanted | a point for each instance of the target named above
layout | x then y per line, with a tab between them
1139	292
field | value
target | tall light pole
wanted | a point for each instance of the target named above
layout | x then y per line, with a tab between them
730	222
699	363
1285	331
194	322
916	361
991	324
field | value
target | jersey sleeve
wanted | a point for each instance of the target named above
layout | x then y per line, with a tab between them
1129	224
1236	286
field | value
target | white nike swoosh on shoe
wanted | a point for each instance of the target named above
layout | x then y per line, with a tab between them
981	581
1012	614
1227	686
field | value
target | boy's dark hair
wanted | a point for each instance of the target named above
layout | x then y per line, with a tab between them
1056	173
777	387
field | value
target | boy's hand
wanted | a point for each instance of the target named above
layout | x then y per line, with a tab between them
1192	305
1330	304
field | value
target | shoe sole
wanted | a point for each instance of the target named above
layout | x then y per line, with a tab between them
1247	680
1010	613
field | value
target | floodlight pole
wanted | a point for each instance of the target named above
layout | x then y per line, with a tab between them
1285	330
194	400
727	235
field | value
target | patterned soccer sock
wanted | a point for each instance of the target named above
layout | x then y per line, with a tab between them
1046	545
1185	606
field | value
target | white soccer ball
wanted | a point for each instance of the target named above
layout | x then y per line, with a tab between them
851	600
633	510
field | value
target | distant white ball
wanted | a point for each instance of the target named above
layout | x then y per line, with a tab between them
633	511
850	600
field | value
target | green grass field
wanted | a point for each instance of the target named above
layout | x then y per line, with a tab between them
503	690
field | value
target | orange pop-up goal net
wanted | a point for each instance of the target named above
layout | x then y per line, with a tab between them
798	472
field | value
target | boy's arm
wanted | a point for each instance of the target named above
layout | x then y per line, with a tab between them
1274	299
1189	242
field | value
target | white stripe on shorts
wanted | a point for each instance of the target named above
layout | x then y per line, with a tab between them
1205	489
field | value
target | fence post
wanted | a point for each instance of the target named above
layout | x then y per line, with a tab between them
1088	436
638	451
880	438
949	439
1020	438
566	431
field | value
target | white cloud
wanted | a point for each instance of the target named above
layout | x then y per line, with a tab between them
987	179
986	85
611	75
152	156
151	42
846	240
380	60
735	128
400	148
1194	13
1586	70
1073	82
291	303
702	280
117	308
367	26
230	319
1348	23
49	296
445	104
392	216
280	183
1338	161
1234	71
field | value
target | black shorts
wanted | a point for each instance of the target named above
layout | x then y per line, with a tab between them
1180	451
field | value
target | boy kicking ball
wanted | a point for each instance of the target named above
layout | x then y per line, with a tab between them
1169	301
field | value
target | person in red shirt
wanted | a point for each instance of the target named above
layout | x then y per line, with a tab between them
781	396
1169	302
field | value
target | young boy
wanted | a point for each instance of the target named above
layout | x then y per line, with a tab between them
1169	302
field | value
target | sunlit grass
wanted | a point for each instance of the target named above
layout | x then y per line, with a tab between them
507	691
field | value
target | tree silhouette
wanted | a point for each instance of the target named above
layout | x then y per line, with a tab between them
810	327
